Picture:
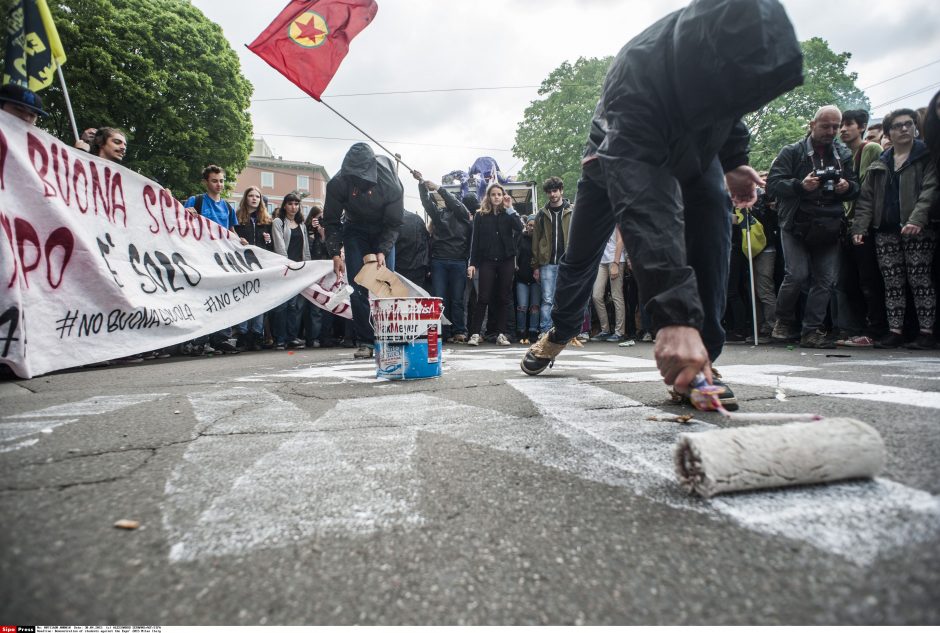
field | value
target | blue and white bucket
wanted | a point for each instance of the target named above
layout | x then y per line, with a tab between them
407	337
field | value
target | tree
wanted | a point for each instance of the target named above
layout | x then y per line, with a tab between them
551	137
161	71
785	119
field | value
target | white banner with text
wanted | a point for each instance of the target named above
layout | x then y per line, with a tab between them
98	262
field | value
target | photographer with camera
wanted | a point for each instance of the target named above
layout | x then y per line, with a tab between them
810	180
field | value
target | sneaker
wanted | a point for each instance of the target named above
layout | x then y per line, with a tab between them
502	340
474	340
923	341
280	347
541	354
784	332
726	398
364	351
647	337
347	343
460	338
627	343
734	338
297	344
613	338
601	336
315	344
891	340
856	341
817	339
226	347
204	350
584	337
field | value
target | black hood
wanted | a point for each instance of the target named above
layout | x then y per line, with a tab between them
360	163
730	57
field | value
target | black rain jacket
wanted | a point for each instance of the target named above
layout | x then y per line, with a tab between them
367	190
413	244
671	103
451	225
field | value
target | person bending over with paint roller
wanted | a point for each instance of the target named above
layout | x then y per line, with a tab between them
665	142
368	194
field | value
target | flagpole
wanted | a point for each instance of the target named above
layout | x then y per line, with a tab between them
397	157
68	102
750	264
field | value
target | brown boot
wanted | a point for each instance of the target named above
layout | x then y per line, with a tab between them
541	354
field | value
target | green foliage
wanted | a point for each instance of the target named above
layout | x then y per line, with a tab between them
786	119
161	71
551	137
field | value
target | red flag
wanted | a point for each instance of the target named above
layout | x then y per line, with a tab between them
309	39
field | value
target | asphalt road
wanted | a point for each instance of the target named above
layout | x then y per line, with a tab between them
294	488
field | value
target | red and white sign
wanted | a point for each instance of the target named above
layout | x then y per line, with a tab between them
98	262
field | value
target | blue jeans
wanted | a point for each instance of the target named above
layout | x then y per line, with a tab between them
285	320
528	304
801	261
548	280
255	325
448	281
312	318
358	244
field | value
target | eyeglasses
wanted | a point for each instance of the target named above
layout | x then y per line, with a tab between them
902	125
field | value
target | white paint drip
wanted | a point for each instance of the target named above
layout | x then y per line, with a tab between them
95	405
16	447
857	521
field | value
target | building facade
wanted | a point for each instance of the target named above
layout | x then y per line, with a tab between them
276	177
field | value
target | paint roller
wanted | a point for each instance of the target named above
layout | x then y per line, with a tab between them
793	454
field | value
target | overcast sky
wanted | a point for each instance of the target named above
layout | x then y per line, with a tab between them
444	44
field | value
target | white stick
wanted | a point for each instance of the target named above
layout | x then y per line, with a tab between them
750	264
68	102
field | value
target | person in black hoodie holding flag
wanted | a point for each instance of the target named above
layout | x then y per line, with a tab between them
363	214
665	142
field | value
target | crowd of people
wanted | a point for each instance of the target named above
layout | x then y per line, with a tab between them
841	244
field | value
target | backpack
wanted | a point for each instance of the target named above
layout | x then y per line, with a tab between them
758	237
232	220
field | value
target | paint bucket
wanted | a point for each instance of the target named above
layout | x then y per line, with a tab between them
407	337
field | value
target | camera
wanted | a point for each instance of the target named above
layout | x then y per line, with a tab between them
828	177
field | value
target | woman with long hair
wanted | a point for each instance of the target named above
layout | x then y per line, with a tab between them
254	226
493	253
290	241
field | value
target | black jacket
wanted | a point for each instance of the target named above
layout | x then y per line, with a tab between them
367	190
524	259
450	226
671	104
254	234
792	165
412	246
494	237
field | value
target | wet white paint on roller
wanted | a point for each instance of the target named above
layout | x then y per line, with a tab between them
95	405
855	520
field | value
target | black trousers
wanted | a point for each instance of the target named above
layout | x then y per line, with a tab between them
495	289
666	225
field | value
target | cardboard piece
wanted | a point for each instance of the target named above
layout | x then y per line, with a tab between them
383	283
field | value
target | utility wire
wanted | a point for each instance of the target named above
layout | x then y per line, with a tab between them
403	92
910	94
338	138
884	81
